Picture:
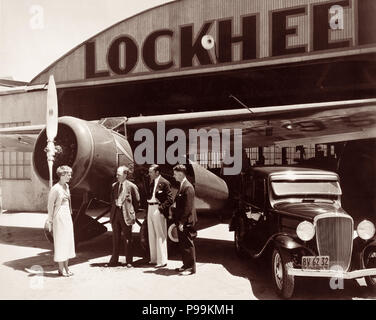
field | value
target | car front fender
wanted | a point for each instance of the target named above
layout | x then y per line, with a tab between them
286	242
368	245
371	243
359	248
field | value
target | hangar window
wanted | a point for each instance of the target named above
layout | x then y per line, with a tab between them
15	165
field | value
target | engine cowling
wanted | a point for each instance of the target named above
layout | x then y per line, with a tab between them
92	151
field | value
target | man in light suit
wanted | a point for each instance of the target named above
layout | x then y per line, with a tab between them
185	219
125	201
159	202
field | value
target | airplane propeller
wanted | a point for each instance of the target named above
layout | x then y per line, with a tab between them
51	124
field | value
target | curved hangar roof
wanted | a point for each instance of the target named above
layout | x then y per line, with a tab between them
167	40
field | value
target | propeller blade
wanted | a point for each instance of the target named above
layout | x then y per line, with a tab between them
50	166
51	124
52	111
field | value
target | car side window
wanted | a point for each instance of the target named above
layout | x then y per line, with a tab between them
259	193
248	188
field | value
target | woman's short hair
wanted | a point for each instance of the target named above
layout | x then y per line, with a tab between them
181	168
62	170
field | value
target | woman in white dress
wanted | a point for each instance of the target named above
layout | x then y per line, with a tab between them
60	220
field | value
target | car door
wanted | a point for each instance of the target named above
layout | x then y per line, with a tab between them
255	215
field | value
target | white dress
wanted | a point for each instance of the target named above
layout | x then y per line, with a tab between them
62	223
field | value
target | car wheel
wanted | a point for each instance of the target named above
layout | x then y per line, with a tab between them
370	262
238	247
283	282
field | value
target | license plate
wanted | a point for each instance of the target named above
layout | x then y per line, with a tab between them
315	262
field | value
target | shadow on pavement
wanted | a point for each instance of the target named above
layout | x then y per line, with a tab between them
24	237
209	251
163	272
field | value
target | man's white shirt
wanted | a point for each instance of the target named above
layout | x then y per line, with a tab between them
156	180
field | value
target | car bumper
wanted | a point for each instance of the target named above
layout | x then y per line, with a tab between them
332	273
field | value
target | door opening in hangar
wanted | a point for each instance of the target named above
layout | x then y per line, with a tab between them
335	79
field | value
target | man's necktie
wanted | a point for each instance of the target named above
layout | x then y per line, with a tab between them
152	189
120	189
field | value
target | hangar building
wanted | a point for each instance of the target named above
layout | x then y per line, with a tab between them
264	53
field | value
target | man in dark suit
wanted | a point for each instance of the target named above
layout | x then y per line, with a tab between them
125	201
160	200
185	219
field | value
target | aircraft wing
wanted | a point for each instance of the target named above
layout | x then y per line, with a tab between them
19	138
277	125
280	125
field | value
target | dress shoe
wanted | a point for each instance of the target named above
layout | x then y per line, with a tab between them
62	274
112	264
161	265
181	269
149	263
129	265
70	273
188	272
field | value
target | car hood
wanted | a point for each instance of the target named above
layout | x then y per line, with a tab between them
307	210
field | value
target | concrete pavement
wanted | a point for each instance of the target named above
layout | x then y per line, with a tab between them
220	274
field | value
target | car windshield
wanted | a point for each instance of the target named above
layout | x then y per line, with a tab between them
296	188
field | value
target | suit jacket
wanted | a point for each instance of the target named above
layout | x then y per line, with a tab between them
185	212
163	194
130	204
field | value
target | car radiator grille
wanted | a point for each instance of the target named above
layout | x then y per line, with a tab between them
334	239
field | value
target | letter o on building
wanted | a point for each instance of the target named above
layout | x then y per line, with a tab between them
130	55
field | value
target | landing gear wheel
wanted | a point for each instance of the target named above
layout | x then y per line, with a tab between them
284	283
370	262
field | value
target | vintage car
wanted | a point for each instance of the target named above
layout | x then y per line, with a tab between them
295	216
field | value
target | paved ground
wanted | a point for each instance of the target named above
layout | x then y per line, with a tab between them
220	274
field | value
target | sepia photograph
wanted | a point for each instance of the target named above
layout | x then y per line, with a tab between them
198	151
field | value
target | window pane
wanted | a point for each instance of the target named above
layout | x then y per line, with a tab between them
13	172
27	172
6	157
27	158
20	156
20	172
15	165
306	188
13	157
6	172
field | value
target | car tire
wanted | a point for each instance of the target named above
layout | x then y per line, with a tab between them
370	262
283	282
240	252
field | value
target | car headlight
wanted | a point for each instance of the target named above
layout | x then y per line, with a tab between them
305	230
366	230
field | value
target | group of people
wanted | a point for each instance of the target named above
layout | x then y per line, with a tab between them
125	201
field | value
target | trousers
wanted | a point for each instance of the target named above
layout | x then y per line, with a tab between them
157	231
119	226
187	249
